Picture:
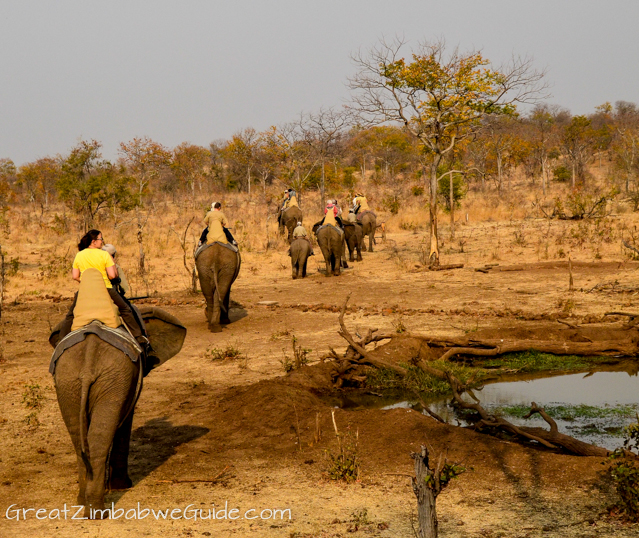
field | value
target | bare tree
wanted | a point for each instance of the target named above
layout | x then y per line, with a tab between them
322	132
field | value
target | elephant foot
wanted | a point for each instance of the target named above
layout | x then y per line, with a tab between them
95	511
360	259
363	248
215	328
225	321
294	277
118	483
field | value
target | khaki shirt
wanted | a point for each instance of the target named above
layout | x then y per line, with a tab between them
300	231
215	220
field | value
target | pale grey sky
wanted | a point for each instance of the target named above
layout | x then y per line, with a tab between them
198	70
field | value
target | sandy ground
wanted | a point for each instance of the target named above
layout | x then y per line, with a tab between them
226	432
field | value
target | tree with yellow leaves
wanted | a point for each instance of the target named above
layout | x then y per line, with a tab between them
439	97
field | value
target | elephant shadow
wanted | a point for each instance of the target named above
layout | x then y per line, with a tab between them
237	311
152	445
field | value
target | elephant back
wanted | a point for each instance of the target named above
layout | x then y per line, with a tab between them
292	214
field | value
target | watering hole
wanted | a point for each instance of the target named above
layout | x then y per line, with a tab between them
593	407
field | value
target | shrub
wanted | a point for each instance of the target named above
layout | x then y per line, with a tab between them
561	173
391	203
625	472
459	190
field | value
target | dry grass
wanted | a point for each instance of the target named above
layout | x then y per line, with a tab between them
489	228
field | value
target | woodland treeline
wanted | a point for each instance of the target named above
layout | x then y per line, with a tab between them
328	152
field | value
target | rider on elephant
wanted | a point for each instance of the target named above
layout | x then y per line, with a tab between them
351	217
216	229
289	200
91	255
360	203
330	215
300	233
123	285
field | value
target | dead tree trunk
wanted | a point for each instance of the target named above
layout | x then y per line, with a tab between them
426	491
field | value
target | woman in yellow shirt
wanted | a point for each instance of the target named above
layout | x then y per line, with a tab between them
91	255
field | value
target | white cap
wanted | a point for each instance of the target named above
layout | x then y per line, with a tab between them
109	248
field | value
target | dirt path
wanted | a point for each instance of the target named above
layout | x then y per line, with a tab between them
197	417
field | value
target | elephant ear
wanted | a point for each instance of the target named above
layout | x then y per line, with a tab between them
54	337
166	333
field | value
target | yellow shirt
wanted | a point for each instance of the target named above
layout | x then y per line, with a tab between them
96	258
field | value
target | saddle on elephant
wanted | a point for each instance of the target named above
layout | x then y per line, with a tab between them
361	214
328	220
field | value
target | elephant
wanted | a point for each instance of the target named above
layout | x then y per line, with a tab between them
369	225
300	251
354	238
331	241
217	267
288	220
97	386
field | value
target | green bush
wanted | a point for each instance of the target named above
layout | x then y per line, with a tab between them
625	472
459	190
561	173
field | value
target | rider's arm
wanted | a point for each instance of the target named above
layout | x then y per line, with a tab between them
112	272
75	273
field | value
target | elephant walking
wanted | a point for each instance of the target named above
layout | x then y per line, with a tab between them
331	241
217	267
288	220
300	251
97	386
353	237
369	225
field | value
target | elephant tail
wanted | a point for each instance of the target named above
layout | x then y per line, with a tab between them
86	378
217	289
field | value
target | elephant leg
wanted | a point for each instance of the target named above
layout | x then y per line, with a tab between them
304	268
371	237
82	480
108	406
358	247
119	458
329	267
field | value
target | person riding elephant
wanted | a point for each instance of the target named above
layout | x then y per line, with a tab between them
331	215
97	385
91	255
300	233
360	204
123	286
366	218
216	230
217	267
289	213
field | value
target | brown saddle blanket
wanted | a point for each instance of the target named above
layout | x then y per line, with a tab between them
360	215
118	338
